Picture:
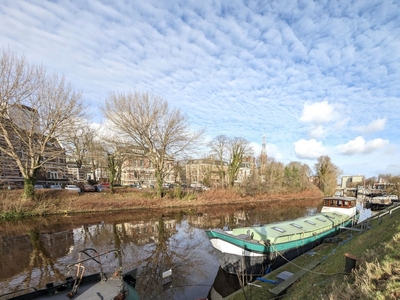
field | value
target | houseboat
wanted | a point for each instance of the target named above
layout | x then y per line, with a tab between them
252	249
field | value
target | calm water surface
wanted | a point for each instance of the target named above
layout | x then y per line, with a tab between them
36	252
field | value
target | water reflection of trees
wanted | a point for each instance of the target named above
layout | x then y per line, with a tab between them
168	252
40	262
158	260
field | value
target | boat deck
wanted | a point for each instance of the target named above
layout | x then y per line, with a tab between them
101	290
89	289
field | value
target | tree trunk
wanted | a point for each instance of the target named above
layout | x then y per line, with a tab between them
29	191
159	185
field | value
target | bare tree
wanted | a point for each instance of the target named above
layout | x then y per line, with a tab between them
148	122
77	143
219	149
114	164
327	174
369	182
238	149
35	111
95	157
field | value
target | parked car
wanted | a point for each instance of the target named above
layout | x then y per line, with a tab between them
136	186
13	186
100	187
88	188
38	186
55	186
72	187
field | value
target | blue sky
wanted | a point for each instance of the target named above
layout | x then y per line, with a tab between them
316	78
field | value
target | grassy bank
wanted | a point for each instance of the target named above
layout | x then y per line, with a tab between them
377	273
49	201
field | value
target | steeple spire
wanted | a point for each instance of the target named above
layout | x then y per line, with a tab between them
263	156
263	150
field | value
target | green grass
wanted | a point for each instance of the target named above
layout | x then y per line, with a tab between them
377	273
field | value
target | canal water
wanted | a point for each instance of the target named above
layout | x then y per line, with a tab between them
38	251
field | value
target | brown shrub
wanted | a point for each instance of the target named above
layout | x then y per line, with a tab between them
49	201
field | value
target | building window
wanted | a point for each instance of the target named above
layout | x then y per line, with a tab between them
52	175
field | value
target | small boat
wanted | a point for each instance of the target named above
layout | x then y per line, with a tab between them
252	250
114	285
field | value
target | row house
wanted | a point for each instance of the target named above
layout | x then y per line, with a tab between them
138	169
247	168
76	174
135	168
52	172
207	171
351	180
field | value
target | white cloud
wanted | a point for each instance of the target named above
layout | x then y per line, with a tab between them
310	149
237	68
317	132
256	148
318	112
273	151
359	145
374	126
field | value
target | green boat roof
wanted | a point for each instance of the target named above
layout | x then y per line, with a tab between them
299	226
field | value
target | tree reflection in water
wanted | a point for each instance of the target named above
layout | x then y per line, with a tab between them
40	261
173	249
158	261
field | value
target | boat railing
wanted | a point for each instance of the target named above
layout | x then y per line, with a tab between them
96	258
80	268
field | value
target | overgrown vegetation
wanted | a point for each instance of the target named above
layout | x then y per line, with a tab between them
49	201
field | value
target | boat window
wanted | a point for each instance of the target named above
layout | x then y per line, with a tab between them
310	222
330	217
278	229
322	220
346	203
296	225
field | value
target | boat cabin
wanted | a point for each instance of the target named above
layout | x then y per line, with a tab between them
340	202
